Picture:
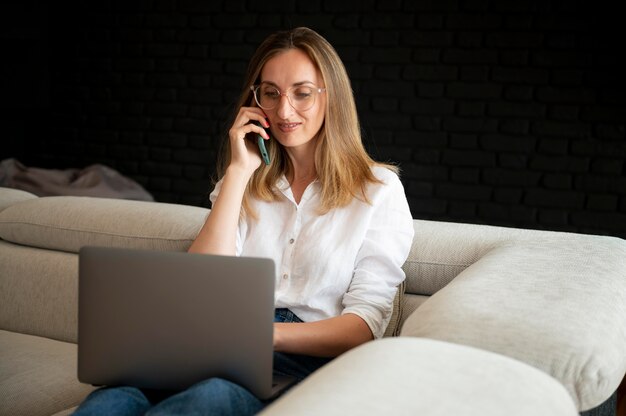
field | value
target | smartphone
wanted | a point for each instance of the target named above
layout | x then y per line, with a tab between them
261	143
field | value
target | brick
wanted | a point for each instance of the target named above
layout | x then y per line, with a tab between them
162	20
514	57
165	80
557	181
471	108
427	39
391	121
385	105
470	40
519	92
507	195
428	173
423	123
385	88
430	89
513	160
201	36
480	158
515	126
568	77
561	58
481	21
518	21
553	217
510	177
385	38
186	156
474	73
426	55
377	54
419	189
348	21
507	143
518	110
552	146
514	39
528	75
200	96
560	129
463	141
607	166
465	175
602	202
466	124
387	20
427	106
473	90
470	56
163	139
188	125
463	191
559	163
426	156
563	112
613	221
555	198
603	113
432	6
463	209
165	109
428	206
430	21
611	132
568	95
388	72
422	139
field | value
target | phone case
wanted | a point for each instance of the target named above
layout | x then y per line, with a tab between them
261	144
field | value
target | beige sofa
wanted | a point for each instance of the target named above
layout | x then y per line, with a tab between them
491	320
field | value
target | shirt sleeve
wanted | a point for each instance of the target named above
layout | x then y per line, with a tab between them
378	265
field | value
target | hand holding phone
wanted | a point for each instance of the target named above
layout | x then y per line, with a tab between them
261	144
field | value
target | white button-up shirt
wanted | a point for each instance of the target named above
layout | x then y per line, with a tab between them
346	261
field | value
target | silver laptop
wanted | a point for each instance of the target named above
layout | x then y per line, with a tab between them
167	320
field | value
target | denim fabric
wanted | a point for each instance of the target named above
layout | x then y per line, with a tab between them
214	396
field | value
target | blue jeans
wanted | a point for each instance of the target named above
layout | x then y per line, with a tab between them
214	396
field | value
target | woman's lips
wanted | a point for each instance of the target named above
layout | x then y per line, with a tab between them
288	127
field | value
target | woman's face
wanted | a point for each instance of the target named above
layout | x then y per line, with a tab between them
293	128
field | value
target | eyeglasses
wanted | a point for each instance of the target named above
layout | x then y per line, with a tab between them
301	97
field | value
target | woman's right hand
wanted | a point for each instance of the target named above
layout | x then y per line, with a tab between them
244	153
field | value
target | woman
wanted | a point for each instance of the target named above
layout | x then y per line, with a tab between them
336	223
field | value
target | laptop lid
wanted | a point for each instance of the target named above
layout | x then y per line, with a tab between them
166	320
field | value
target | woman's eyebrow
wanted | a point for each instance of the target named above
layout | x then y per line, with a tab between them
296	84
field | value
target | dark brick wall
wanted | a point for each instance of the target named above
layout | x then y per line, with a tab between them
500	112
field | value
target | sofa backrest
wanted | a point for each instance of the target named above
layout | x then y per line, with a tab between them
41	236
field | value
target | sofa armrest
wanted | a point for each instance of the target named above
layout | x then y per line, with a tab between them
558	304
411	376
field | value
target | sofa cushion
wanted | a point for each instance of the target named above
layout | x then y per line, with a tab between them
557	304
9	196
412	376
68	223
38	375
38	291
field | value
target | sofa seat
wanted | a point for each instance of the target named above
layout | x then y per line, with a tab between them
37	375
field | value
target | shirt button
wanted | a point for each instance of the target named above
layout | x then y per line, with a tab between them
291	241
285	276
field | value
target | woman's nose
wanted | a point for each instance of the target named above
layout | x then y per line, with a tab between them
284	108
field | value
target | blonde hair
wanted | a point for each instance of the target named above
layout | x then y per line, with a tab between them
342	164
